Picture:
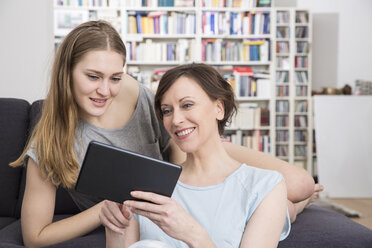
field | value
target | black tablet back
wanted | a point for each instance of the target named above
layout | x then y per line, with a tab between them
112	173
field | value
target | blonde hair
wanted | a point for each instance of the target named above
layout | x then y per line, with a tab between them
54	136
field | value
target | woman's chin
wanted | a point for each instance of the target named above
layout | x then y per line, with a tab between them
188	149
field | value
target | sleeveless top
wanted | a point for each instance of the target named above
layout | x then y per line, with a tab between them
143	133
223	210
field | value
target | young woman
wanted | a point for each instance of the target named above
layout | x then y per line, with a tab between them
90	98
218	201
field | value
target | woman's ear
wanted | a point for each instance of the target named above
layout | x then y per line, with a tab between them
220	109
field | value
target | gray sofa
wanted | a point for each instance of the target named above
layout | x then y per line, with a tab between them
315	227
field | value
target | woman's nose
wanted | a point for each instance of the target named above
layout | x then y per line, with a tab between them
104	88
177	117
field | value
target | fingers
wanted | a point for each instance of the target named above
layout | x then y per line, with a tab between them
151	197
150	215
156	207
144	206
126	211
106	222
112	217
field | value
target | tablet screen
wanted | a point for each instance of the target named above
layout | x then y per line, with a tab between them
112	173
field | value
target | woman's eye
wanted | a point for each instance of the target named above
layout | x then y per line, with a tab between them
165	111
92	77
187	105
116	79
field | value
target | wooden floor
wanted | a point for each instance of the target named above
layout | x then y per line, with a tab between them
362	205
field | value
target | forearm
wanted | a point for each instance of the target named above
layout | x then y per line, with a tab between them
113	239
65	229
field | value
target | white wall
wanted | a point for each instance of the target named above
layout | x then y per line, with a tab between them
354	41
26	47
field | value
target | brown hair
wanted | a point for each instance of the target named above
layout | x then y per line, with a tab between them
54	136
211	82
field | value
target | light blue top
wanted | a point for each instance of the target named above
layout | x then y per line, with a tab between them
223	210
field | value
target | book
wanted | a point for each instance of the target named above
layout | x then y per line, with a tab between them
263	88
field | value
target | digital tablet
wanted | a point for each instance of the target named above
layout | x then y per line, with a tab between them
112	173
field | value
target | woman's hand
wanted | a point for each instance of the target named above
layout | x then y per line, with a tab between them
115	216
169	216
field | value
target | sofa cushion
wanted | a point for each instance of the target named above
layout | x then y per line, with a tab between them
4	221
64	202
320	227
13	125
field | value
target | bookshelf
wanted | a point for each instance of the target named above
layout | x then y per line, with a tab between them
292	73
232	36
239	40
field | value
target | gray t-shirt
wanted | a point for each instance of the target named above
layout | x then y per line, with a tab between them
143	133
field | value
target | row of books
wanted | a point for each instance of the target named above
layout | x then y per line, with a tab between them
282	136
281	151
301	90
282	32
302	17
282	106
282	90
301	77
236	3
301	106
159	3
250	116
89	3
301	32
300	151
160	23
302	47
282	47
281	121
282	77
300	136
283	63
246	84
248	50
300	121
182	50
240	23
301	62
231	74
257	140
282	17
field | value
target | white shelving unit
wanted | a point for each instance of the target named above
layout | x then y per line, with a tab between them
200	35
120	14
292	72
